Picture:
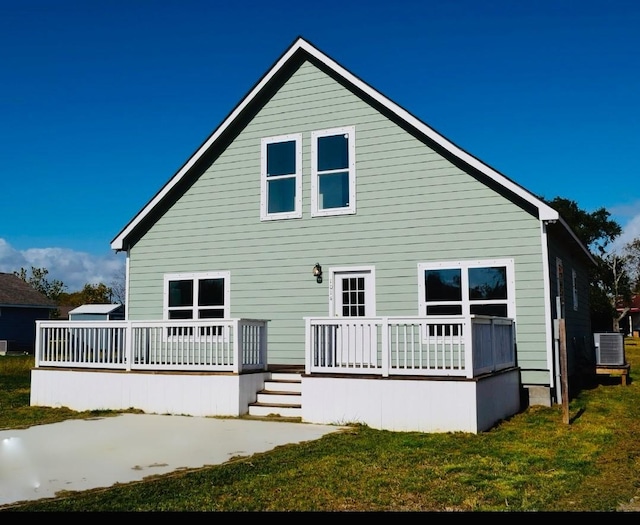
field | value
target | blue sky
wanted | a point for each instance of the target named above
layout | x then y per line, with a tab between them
101	102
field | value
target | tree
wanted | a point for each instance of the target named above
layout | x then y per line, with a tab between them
596	230
119	288
38	280
632	253
614	283
90	294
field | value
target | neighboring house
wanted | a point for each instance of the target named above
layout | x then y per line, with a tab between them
97	312
630	323
62	313
414	286
20	307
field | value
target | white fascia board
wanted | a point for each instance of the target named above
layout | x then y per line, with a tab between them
545	211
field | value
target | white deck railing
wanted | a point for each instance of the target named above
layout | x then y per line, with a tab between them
417	346
435	346
230	345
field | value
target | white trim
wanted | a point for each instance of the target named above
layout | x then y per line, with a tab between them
316	210
544	210
464	266
370	283
127	293
196	276
548	312
560	288
574	288
296	213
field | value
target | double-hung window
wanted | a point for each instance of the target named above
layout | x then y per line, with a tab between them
484	287
281	177
196	296
333	172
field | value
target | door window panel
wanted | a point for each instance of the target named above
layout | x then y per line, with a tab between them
353	297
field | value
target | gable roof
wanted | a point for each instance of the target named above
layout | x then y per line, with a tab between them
16	292
301	48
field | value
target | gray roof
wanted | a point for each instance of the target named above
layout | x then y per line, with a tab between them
16	292
95	309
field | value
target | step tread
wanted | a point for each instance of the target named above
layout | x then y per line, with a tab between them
275	405
279	392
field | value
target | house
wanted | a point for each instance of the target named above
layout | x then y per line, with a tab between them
323	230
20	306
97	312
630	322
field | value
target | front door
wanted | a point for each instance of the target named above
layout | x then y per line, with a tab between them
353	296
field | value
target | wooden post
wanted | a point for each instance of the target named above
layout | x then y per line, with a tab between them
562	334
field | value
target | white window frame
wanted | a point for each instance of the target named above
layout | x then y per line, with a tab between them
195	276
264	179
464	266
370	287
560	287
316	211
574	286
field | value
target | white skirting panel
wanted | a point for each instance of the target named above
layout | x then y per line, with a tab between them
412	405
176	394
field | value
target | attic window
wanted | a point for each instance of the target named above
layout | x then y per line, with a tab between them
333	172
281	177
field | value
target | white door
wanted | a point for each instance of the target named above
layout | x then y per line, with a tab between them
353	296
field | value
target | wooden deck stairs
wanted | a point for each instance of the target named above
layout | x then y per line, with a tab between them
281	395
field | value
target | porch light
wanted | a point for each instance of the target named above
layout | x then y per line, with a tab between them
317	272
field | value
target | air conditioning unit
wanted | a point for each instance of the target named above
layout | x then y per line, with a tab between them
609	348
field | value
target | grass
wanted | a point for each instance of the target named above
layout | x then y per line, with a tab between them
531	462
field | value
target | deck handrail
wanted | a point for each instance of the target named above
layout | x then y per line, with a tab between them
463	346
231	345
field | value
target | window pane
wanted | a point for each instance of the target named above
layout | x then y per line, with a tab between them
442	285
181	293
445	309
180	314
211	292
333	152
211	313
488	283
333	190
281	158
497	310
282	195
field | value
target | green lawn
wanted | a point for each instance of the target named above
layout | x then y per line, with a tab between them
532	462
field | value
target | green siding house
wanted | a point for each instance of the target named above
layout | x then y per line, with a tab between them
340	221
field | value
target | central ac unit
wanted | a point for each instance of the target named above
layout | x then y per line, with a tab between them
609	348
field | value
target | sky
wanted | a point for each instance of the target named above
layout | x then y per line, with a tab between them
102	102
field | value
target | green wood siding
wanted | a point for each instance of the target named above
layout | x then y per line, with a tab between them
413	206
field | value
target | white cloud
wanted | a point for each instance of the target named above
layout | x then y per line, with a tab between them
629	217
74	269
